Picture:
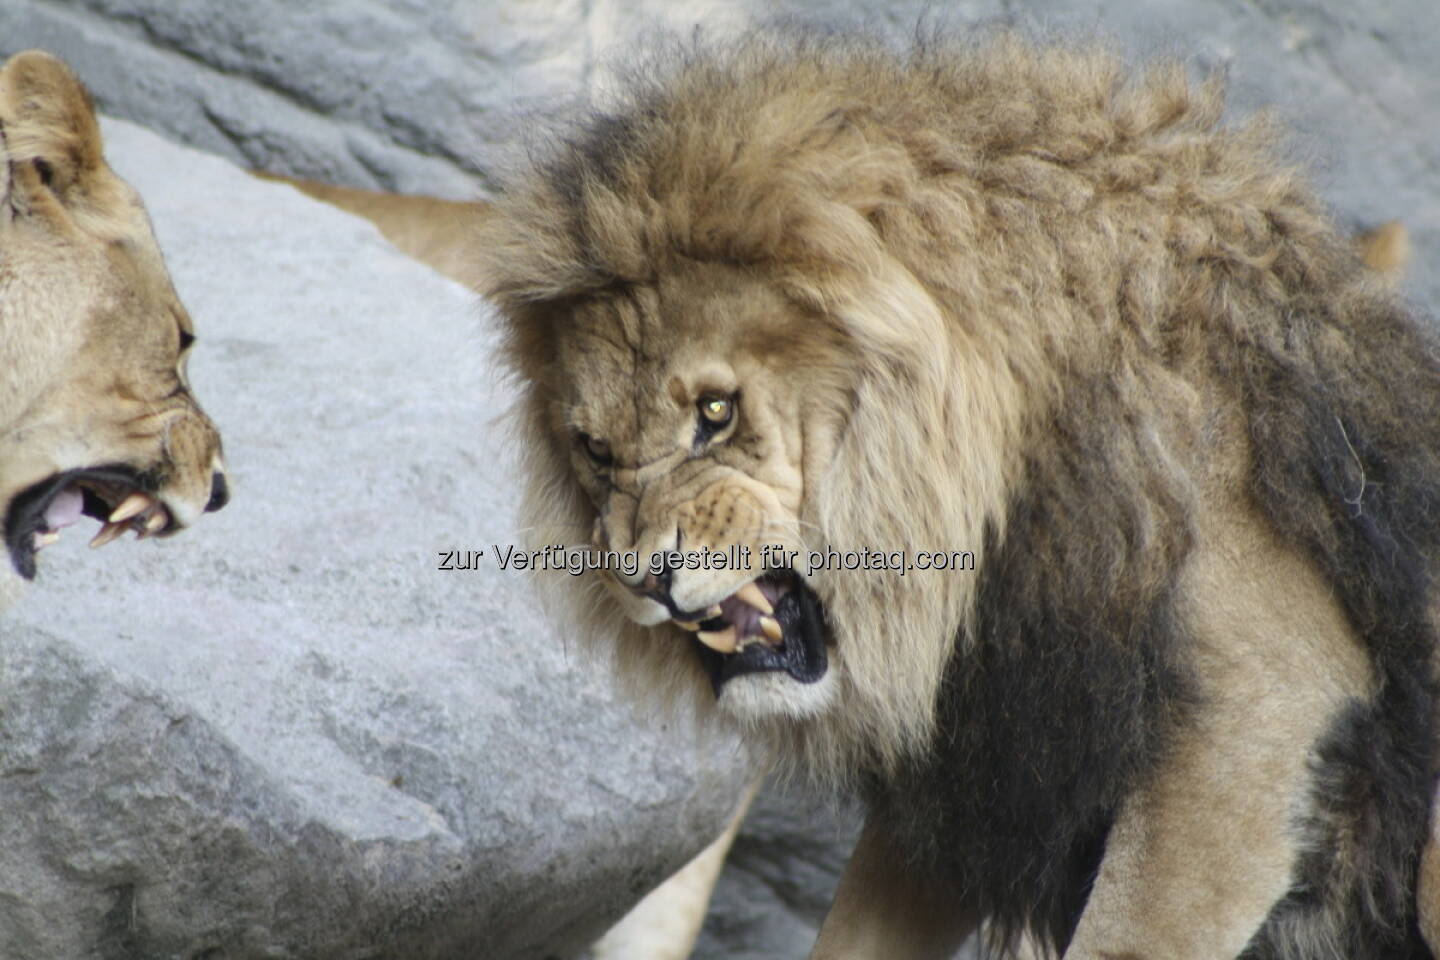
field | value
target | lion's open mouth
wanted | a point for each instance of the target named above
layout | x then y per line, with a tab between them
774	623
118	496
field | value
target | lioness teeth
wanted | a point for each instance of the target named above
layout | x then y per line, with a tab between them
771	628
43	540
107	533
132	505
156	521
721	641
687	625
753	595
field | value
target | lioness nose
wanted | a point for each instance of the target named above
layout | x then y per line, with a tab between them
219	492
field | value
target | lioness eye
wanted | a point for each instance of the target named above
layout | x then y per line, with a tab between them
597	449
717	411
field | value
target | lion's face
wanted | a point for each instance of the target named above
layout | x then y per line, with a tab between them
765	330
695	416
96	413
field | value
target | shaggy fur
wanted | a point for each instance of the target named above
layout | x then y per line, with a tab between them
93	339
1000	297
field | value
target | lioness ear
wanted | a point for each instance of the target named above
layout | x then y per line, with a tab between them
49	137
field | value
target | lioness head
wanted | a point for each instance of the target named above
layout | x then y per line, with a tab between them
96	413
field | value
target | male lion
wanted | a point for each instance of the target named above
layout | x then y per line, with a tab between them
96	414
994	297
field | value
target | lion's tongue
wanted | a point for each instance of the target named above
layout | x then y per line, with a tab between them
64	509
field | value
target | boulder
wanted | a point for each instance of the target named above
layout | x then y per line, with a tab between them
287	732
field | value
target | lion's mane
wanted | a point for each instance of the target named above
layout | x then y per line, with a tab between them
1071	293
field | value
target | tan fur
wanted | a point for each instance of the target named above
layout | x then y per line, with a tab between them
91	370
436	232
1386	249
666	923
1277	666
1430	890
928	283
884	911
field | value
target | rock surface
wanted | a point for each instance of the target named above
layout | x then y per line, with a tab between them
286	733
415	95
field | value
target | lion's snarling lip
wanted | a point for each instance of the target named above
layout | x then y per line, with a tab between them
772	624
118	495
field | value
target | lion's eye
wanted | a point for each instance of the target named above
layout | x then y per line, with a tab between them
597	449
717	411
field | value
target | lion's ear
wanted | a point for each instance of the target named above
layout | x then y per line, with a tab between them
1386	250
49	137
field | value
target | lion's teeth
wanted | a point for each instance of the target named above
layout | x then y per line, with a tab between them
132	505
753	595
107	533
771	628
43	540
722	641
687	625
714	611
156	521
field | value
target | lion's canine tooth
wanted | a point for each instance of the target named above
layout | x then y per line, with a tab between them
107	533
131	506
714	611
45	539
719	640
687	625
754	596
771	628
156	521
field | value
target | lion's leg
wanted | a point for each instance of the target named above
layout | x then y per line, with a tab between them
884	911
1199	856
666	923
1191	867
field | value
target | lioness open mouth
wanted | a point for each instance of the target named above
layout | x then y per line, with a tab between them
118	496
773	623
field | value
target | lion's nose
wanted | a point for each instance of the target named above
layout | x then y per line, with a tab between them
219	492
656	586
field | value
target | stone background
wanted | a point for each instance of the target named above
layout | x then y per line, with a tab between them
335	731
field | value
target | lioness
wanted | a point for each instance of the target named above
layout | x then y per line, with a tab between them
96	413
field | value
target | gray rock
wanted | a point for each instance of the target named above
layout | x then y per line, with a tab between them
286	733
779	879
